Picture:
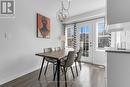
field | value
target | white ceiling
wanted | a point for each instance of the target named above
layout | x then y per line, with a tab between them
82	6
77	6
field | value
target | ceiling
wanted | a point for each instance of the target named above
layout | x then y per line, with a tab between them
82	6
77	6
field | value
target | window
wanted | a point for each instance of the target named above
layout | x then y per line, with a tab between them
118	39
103	37
69	32
84	40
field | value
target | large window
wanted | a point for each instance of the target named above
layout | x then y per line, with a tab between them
103	37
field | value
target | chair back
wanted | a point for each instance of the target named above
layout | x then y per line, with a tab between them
70	59
47	50
79	54
47	58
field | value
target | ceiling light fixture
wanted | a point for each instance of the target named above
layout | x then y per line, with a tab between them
63	12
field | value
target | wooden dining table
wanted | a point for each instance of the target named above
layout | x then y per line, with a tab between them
57	55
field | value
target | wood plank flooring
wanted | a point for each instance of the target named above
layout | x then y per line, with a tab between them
89	76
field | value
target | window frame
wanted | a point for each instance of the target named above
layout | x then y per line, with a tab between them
97	35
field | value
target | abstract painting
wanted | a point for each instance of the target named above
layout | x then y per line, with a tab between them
43	26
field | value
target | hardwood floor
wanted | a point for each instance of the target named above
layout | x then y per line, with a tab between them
89	76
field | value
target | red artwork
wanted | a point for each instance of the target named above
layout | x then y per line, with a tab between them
43	26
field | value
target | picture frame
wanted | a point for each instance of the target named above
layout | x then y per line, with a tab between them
43	26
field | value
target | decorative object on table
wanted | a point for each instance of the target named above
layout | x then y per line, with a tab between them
63	12
43	26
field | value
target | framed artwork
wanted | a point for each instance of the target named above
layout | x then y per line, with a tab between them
43	26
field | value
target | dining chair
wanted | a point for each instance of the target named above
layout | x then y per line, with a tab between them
58	48
67	64
78	59
48	60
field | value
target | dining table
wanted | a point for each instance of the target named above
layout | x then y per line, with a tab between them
58	56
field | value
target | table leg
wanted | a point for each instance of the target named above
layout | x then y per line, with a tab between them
58	73
41	68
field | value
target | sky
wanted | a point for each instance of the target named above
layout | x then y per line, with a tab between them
85	29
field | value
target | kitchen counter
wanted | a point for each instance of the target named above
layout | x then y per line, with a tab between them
114	50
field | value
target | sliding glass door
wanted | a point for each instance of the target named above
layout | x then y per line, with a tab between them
84	33
90	36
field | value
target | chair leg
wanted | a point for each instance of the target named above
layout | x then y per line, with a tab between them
41	69
53	68
55	74
72	72
62	70
65	77
66	69
76	68
80	65
46	68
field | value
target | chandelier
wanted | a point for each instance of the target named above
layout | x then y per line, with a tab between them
63	12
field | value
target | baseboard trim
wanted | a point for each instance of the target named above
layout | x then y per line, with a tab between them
97	65
15	77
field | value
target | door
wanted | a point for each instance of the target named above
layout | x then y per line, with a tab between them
91	36
84	35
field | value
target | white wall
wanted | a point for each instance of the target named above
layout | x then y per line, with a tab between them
17	51
100	57
118	11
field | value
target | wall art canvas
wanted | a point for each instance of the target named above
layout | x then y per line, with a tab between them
43	26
